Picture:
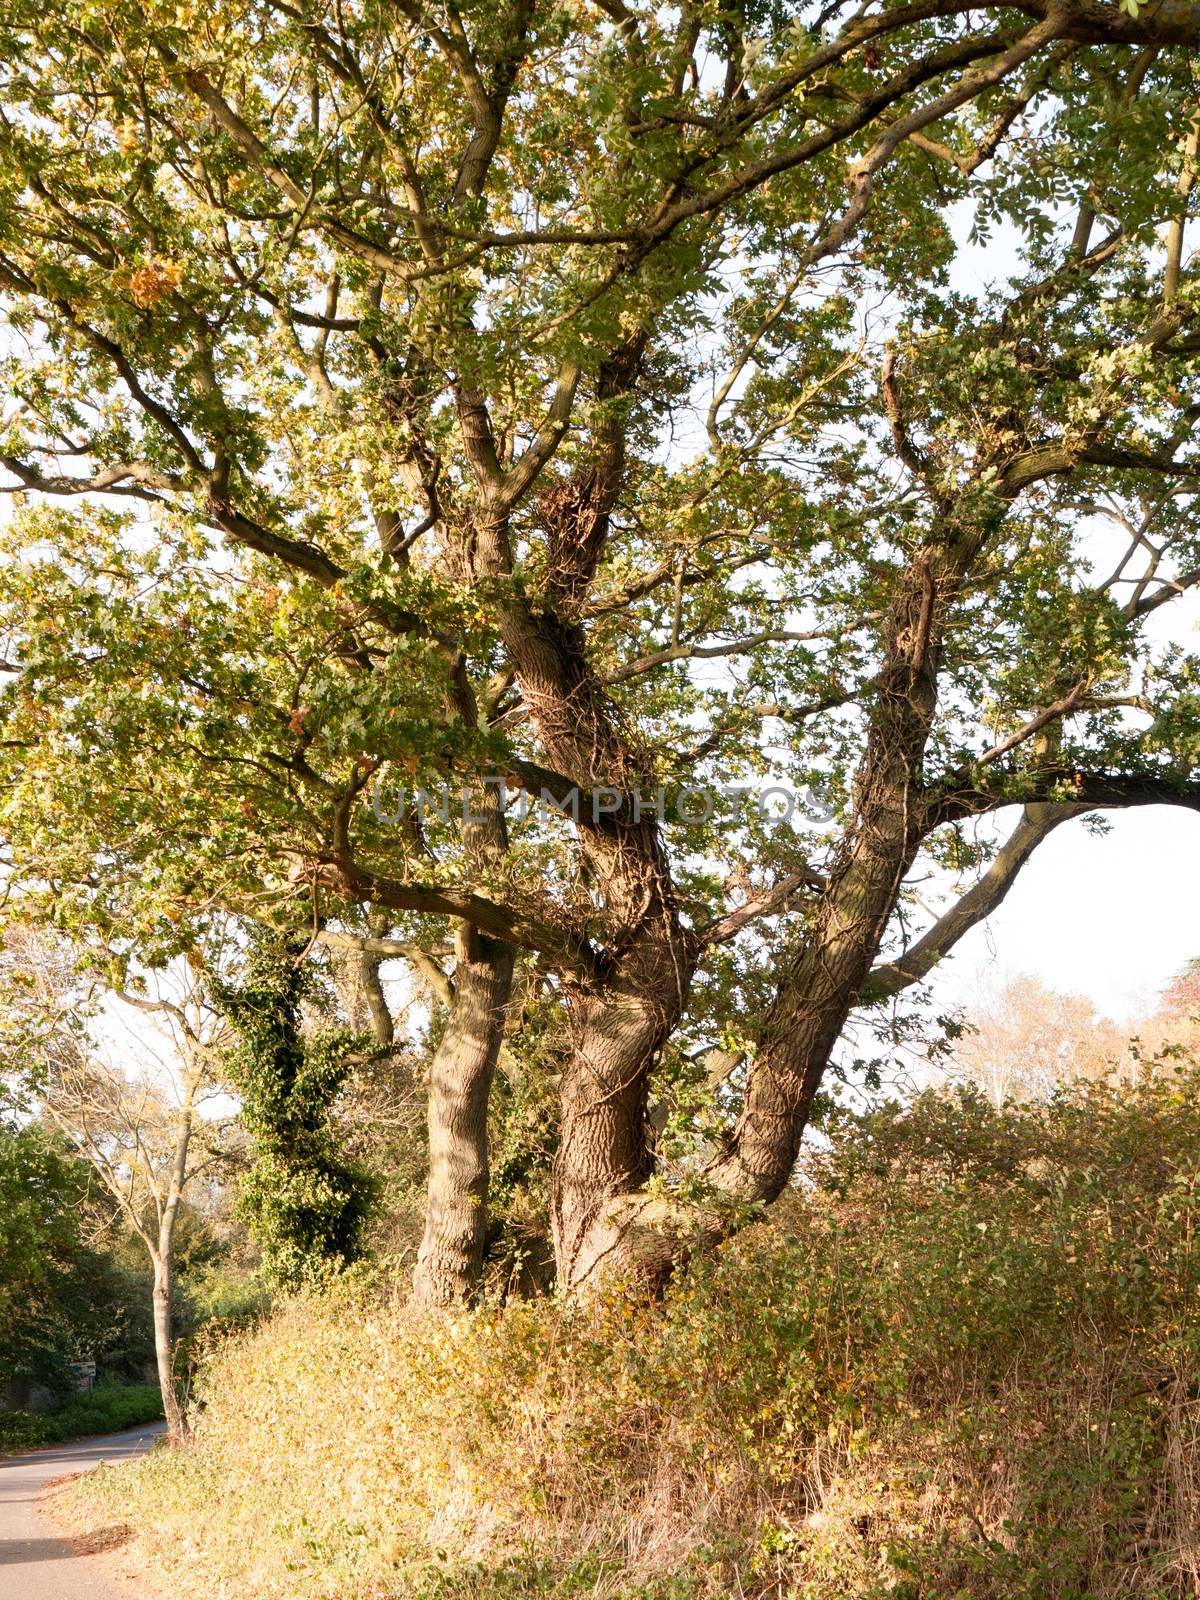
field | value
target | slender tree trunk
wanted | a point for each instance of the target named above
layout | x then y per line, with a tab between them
164	1345
164	1272
450	1260
382	1026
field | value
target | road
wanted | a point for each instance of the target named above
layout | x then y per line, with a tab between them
35	1563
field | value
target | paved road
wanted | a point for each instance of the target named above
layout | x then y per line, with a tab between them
35	1563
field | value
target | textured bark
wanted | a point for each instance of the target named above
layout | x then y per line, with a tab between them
620	1017
382	1026
633	1237
450	1260
164	1344
820	986
604	1152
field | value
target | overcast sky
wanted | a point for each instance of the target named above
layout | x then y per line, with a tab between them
1113	918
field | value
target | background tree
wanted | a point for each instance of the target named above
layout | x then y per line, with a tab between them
1026	1041
66	1292
1178	1010
142	1127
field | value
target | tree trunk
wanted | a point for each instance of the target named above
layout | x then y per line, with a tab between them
450	1260
638	1237
164	1345
819	987
382	1026
604	1154
822	983
620	1019
164	1269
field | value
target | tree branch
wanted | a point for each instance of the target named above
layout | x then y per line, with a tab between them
764	904
977	904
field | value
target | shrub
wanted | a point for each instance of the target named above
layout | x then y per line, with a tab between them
109	1408
960	1361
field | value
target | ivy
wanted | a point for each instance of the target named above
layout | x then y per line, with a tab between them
306	1205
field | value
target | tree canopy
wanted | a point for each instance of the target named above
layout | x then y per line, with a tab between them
597	398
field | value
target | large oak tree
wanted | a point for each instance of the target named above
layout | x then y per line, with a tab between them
593	397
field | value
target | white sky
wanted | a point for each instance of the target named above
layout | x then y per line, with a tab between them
1113	918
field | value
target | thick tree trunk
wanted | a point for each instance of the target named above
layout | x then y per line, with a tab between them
450	1260
620	1019
604	1154
164	1345
823	981
635	1237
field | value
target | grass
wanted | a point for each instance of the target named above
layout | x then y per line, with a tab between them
107	1409
963	1361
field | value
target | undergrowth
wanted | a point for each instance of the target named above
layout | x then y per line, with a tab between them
960	1360
107	1409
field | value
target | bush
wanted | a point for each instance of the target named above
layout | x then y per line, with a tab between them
109	1408
960	1361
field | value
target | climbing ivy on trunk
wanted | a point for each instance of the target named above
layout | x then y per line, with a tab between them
306	1204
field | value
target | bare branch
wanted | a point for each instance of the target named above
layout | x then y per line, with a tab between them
977	904
769	902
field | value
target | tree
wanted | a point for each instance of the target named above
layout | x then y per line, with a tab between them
142	1131
36	1233
65	1294
1170	1034
1028	1041
384	321
1180	1000
307	1205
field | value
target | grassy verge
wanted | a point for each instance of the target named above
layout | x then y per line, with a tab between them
965	1362
107	1409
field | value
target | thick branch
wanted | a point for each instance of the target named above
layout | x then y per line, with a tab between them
977	904
567	949
1066	786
